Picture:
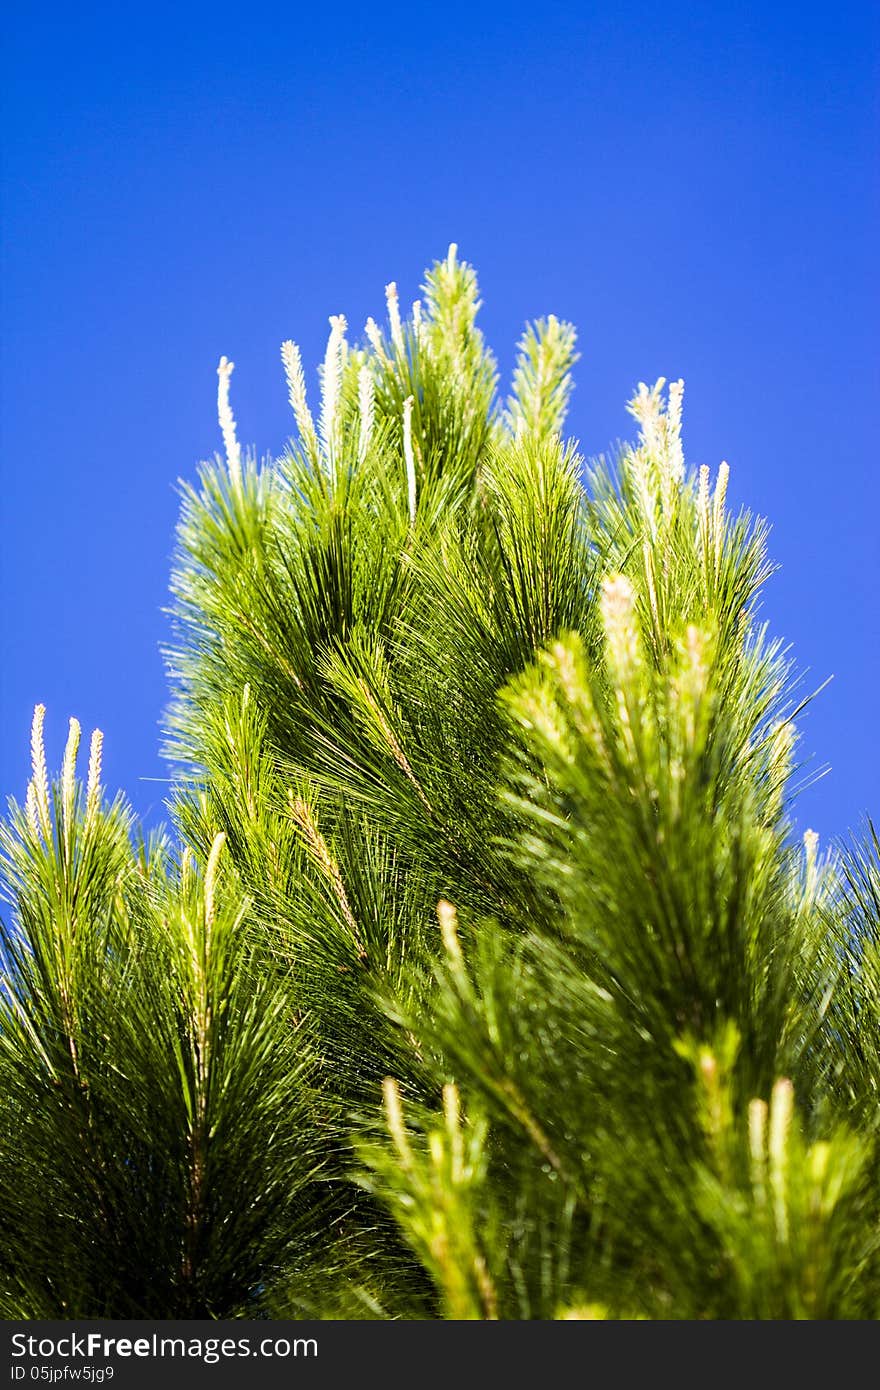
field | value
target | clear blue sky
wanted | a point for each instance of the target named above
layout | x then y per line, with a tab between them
695	185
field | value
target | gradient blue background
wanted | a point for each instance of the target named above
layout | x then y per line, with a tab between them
694	185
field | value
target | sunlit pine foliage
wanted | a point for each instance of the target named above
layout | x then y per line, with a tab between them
480	975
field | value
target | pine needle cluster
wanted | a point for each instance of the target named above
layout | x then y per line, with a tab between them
479	976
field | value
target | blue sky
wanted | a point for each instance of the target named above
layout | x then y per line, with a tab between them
695	185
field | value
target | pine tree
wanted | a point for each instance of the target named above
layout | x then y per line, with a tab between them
480	976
